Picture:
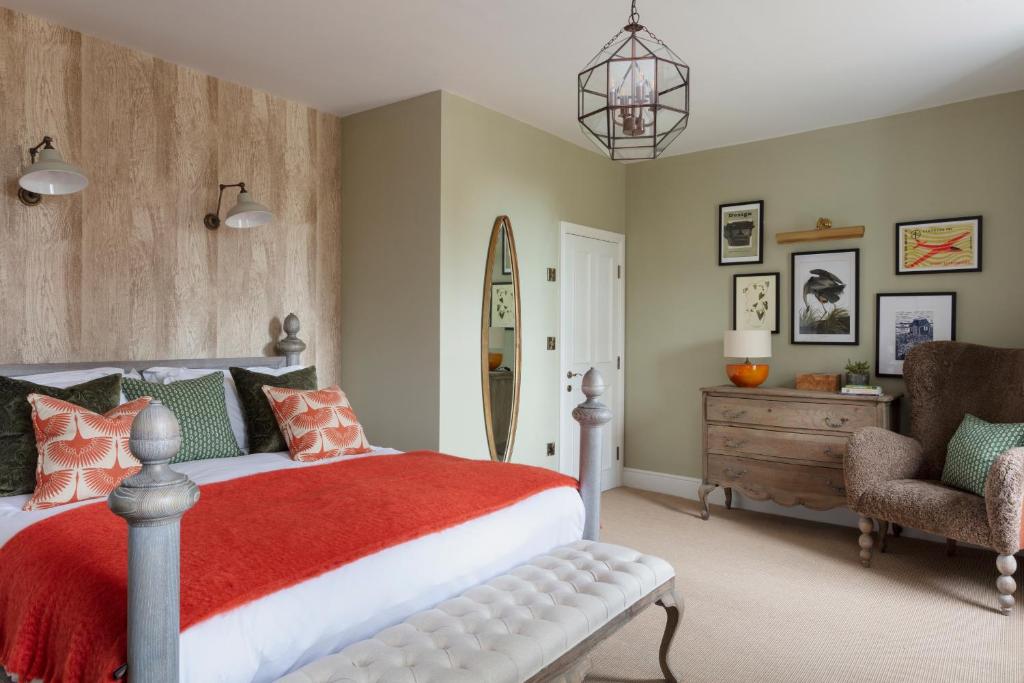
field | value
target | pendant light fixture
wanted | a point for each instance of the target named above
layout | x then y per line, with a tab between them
246	213
634	95
48	174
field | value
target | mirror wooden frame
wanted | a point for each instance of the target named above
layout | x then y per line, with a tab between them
485	324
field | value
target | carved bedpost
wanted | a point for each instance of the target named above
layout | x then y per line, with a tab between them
291	346
592	416
153	502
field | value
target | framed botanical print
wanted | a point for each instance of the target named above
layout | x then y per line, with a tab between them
939	246
902	321
825	297
503	305
740	233
755	301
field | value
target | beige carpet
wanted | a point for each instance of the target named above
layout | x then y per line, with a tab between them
777	599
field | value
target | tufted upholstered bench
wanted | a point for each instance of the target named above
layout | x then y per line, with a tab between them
535	623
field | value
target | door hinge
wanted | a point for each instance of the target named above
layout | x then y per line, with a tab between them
618	362
616	452
619	271
551	343
552	275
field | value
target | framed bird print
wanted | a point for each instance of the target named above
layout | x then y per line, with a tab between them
826	293
905	320
755	301
740	233
939	246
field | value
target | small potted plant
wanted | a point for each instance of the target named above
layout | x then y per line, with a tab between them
857	372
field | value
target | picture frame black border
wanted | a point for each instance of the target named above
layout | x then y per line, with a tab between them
760	233
878	323
980	250
778	297
504	254
856	297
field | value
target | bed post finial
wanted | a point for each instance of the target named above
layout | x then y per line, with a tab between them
291	347
153	501
592	416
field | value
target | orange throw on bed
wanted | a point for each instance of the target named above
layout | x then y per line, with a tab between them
63	603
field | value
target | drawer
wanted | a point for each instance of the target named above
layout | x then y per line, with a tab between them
820	488
822	449
831	416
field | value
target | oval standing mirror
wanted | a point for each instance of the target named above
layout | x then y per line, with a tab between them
500	341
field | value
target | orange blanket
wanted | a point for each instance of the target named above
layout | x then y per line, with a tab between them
63	603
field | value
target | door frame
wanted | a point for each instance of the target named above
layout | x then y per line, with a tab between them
565	229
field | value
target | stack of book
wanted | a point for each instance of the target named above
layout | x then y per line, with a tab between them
862	390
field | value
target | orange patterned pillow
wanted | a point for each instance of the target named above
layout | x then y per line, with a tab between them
82	455
316	424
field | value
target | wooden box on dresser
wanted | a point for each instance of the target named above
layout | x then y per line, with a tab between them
784	445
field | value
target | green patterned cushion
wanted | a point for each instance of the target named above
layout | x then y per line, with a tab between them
202	414
974	447
260	423
18	454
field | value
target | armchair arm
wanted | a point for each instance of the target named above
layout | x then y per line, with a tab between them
1004	493
878	455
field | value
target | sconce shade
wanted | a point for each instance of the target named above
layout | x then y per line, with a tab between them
248	213
50	175
748	344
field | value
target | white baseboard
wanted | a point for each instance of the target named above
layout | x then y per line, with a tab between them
686	487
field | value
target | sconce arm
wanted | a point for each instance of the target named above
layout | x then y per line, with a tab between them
47	143
212	220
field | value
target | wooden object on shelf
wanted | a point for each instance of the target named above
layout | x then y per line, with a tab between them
849	232
819	381
784	445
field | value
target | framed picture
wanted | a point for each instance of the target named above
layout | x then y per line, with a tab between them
755	301
826	293
506	255
740	233
503	305
902	321
939	246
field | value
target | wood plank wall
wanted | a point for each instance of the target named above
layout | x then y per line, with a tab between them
126	269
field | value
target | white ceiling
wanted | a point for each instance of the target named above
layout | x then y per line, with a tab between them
760	68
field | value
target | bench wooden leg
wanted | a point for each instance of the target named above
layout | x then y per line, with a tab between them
672	602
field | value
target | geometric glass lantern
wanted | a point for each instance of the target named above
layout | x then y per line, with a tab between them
634	95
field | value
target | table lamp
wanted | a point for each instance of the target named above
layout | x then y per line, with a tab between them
747	344
496	345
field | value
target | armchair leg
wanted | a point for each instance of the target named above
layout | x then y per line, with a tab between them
866	526
883	533
951	547
1007	565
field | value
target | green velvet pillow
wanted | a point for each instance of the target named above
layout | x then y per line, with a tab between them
18	454
260	423
201	411
974	447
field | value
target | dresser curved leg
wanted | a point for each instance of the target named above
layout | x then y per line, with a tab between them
702	494
672	602
728	498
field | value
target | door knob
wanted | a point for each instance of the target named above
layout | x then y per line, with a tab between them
571	374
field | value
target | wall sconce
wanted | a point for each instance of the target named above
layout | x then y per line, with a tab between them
48	174
246	213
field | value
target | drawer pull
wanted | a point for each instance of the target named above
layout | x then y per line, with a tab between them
834	423
733	474
734	443
733	414
830	452
840	489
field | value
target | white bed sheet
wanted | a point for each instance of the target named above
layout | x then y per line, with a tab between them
269	637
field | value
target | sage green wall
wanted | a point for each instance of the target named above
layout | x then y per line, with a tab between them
960	159
391	185
492	165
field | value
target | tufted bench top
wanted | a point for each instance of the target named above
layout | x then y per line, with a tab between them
506	630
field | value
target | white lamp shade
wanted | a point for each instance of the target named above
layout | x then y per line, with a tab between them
748	344
248	213
50	174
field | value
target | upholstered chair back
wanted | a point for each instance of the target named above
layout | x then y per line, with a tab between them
946	380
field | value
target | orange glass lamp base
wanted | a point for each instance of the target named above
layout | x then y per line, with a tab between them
747	374
493	360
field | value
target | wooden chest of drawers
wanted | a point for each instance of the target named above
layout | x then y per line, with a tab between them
784	445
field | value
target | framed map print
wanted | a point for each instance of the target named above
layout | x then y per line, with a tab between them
902	321
826	289
755	302
939	246
740	233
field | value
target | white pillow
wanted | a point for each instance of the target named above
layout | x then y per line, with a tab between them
165	375
68	378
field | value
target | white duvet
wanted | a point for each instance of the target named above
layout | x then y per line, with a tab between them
269	637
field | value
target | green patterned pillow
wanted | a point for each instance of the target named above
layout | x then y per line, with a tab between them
202	414
18	453
260	423
974	447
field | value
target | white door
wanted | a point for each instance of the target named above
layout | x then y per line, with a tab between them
592	335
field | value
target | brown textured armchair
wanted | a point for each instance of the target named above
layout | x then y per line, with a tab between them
896	479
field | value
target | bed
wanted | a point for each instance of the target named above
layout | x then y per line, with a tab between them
267	637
